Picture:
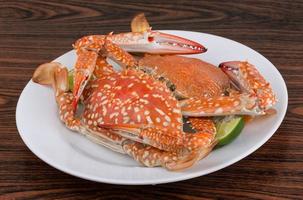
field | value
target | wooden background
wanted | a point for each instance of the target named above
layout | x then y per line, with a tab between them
34	32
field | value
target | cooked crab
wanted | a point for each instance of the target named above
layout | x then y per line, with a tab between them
141	39
207	90
130	112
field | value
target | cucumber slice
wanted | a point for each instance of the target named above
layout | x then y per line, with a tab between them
228	129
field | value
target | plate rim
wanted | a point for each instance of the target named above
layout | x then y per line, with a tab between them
160	180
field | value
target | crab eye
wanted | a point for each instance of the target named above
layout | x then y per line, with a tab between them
150	39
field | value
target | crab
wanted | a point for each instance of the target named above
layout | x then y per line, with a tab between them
206	91
234	88
141	39
130	112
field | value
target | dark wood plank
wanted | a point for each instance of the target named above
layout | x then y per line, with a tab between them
33	32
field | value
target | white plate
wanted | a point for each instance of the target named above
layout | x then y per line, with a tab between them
46	136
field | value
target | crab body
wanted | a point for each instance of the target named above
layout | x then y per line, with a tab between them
133	97
192	77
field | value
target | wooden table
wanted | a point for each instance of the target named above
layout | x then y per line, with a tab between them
34	32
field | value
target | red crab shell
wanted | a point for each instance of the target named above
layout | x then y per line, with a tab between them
192	77
133	97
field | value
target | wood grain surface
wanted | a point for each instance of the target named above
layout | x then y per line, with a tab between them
34	32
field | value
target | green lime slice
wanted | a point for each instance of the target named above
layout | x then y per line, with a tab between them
228	129
71	80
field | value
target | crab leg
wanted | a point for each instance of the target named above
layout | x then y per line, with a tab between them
218	106
153	136
163	139
84	68
167	152
153	157
56	75
114	52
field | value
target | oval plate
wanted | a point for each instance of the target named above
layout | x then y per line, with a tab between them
48	138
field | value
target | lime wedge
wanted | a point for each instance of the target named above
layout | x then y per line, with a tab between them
71	80
228	129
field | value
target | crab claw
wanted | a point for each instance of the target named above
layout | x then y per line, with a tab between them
161	43
247	79
167	43
143	39
155	42
233	71
152	42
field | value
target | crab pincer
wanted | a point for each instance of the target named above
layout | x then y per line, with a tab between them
248	79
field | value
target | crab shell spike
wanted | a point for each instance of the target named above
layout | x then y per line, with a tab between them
246	77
